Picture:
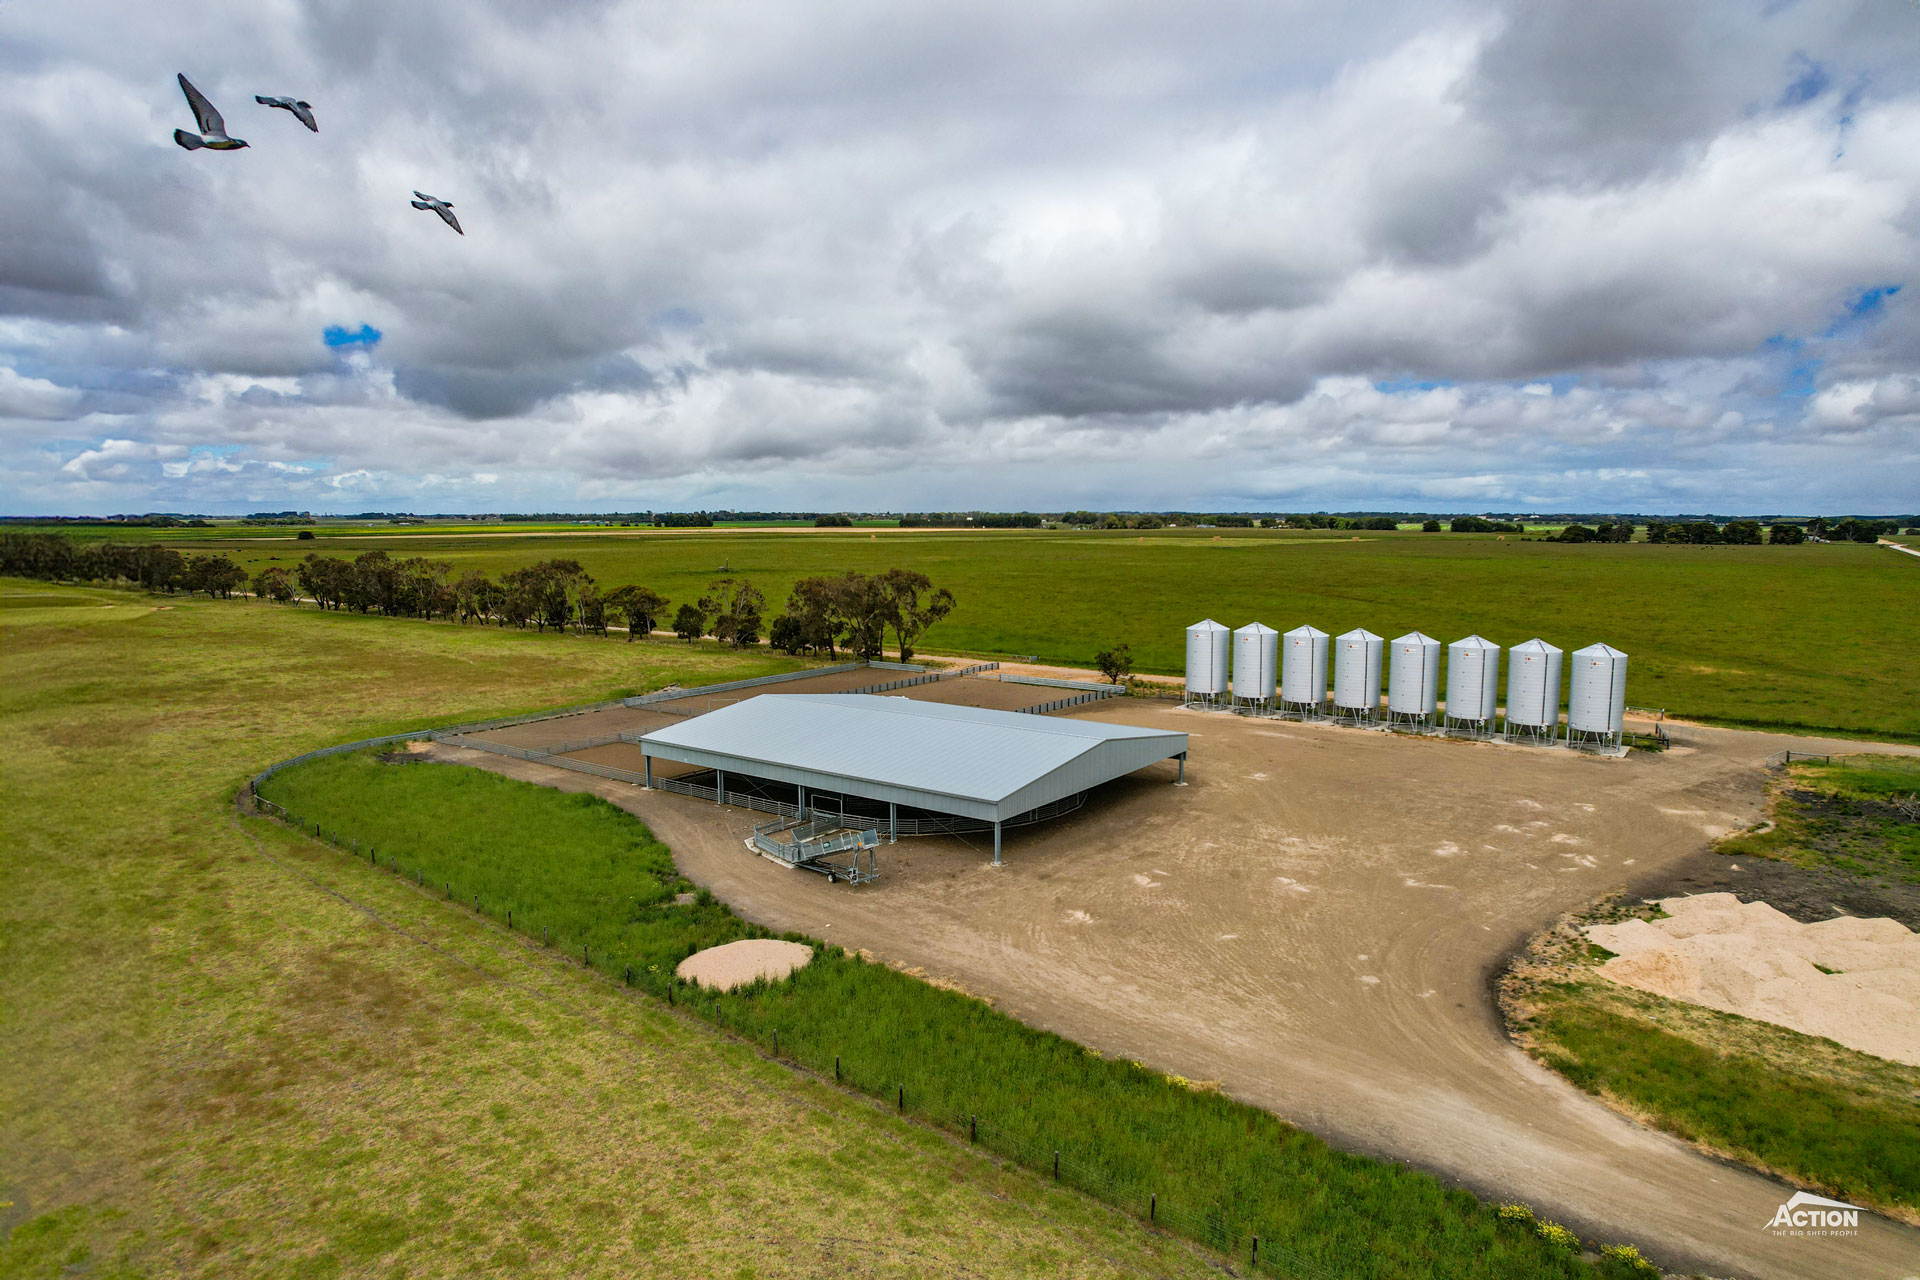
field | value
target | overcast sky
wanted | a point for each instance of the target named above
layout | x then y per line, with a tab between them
1647	256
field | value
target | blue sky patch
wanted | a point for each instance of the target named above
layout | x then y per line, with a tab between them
1400	386
365	336
1809	82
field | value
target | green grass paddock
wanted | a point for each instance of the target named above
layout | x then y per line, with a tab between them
583	873
1813	637
1862	1149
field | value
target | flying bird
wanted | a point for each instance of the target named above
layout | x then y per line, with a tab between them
213	130
421	200
302	111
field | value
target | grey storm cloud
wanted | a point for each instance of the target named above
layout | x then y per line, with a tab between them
1484	254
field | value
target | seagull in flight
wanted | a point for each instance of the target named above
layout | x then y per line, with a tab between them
302	111
213	130
421	200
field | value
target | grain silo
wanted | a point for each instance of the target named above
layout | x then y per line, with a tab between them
1256	655
1356	675
1473	684
1413	679
1597	696
1208	644
1303	670
1533	691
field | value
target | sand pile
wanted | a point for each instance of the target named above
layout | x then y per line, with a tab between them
1851	980
735	964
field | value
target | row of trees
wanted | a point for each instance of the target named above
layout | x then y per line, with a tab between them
1621	532
855	611
850	611
53	558
1737	533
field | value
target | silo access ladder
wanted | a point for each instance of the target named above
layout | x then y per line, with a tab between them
811	843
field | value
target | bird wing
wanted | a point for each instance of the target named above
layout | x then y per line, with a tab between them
203	111
446	211
420	204
266	102
303	112
421	195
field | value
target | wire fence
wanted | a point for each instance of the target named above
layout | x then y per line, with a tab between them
1062	1160
1781	759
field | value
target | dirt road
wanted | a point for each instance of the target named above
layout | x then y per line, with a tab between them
1314	923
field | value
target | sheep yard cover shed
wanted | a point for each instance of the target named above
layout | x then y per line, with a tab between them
968	761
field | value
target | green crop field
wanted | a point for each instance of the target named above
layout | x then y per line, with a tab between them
1813	637
231	1051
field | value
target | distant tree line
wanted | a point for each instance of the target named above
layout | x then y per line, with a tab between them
976	520
851	611
1616	532
152	520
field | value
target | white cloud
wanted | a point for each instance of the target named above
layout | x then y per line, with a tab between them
1467	253
24	397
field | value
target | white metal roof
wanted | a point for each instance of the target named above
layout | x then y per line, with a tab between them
950	759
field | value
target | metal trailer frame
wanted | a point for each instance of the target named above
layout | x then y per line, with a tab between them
815	841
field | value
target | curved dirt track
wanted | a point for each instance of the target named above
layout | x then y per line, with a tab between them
1314	923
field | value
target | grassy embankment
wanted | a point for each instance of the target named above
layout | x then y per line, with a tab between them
1814	1111
1812	637
1859	814
215	1066
586	875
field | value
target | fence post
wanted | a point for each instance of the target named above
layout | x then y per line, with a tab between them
903	1098
629	975
1056	1166
973	1129
1256	1253
776	1042
836	1068
670	986
1153	1206
509	917
585	959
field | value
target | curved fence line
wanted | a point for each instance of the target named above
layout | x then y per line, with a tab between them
1066	1163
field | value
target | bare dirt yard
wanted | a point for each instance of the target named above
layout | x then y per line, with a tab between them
1315	923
